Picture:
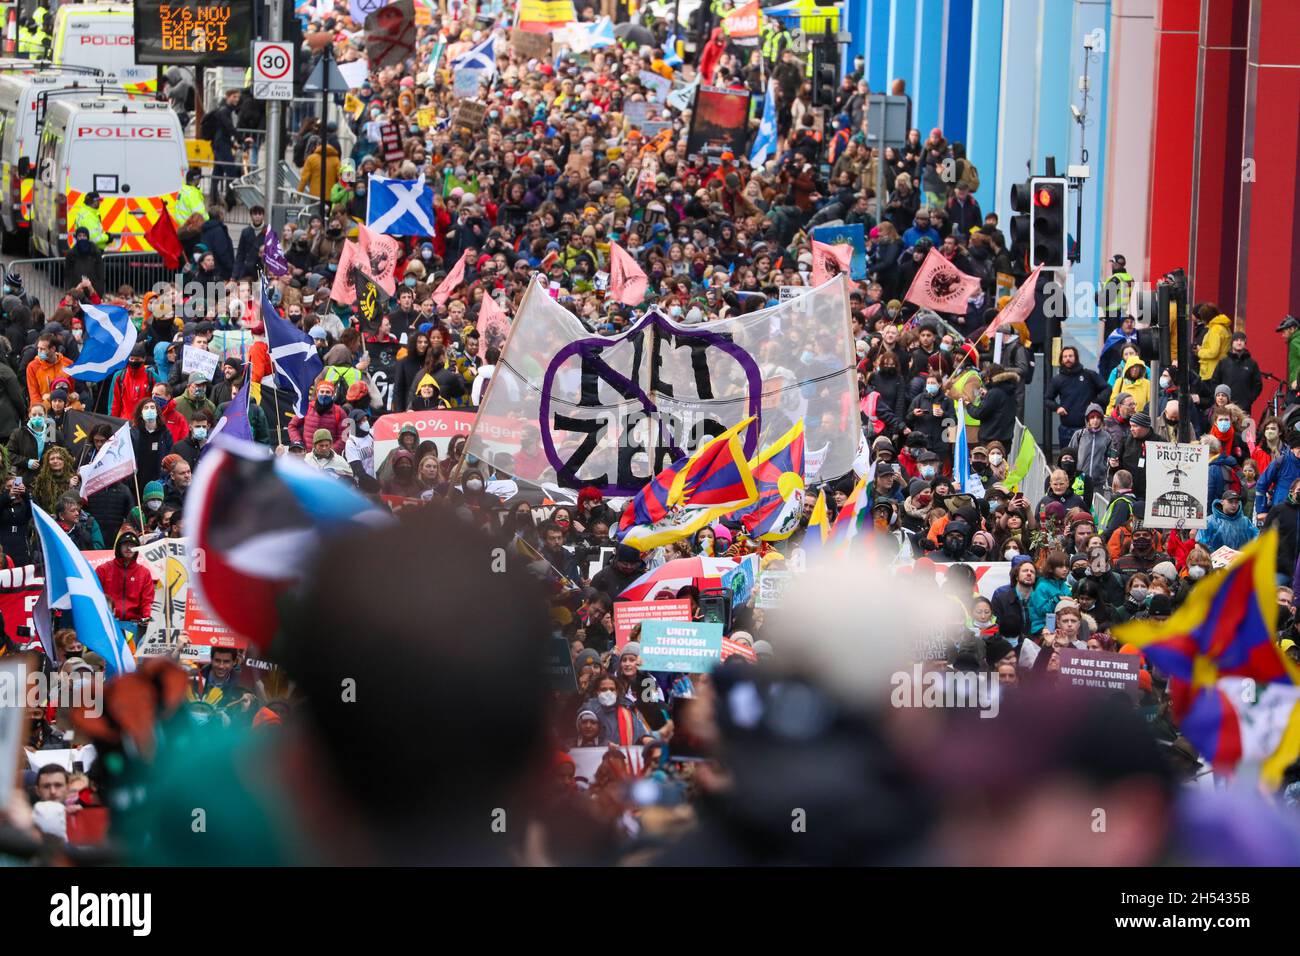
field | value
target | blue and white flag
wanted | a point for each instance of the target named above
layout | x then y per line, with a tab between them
234	420
293	354
671	56
110	337
481	57
969	482
765	140
71	585
399	207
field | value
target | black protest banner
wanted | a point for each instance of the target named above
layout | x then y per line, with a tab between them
383	369
278	406
76	433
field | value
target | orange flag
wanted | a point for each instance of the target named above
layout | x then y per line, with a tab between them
448	285
823	254
627	281
941	286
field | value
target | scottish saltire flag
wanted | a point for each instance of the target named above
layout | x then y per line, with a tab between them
110	336
399	207
234	420
765	140
969	482
779	480
273	256
481	57
293	354
71	585
259	520
1226	627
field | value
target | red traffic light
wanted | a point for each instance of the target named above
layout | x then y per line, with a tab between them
1044	197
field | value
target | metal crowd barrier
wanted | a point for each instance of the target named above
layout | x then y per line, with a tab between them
48	281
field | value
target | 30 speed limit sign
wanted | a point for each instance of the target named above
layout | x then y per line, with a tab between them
272	71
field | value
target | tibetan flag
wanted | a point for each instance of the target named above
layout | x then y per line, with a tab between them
717	475
940	285
1227	627
651	503
849	521
779	478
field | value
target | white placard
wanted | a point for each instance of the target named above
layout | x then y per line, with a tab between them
1178	482
200	360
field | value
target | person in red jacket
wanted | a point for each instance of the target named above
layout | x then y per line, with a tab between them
127	583
173	419
321	413
131	385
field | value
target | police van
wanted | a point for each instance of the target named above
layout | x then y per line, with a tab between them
101	35
131	152
24	99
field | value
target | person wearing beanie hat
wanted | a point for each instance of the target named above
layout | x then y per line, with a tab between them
588	727
324	457
763	650
614	578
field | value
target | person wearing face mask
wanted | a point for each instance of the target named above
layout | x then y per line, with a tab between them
1144	552
928	412
359	450
195	397
1090	446
620	721
151	440
200	429
46	365
27	442
321	413
131	384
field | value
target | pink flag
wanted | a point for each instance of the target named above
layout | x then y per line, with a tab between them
823	254
1019	307
343	291
379	255
941	286
493	325
627	282
454	278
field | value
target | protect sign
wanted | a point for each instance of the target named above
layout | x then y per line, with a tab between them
272	71
1178	485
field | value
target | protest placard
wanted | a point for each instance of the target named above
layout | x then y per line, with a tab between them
470	114
1100	670
529	45
690	647
465	84
628	614
772	586
199	360
1178	479
559	666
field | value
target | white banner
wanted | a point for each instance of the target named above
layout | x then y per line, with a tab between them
1178	483
111	463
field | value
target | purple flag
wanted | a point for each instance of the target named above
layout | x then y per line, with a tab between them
273	256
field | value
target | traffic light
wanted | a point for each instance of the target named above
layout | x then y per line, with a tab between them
1047	226
1021	202
825	78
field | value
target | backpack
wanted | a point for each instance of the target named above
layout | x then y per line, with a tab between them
208	128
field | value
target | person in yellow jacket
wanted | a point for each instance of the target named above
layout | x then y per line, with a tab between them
1215	345
310	182
1133	380
189	201
88	218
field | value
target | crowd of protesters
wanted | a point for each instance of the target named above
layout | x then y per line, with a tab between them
551	179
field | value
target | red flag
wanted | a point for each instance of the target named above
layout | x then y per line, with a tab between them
343	291
162	236
823	254
627	281
448	285
941	286
1018	308
493	325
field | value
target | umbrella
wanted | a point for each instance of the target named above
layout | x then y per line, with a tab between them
701	571
634	33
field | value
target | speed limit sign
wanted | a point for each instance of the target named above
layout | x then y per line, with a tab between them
272	71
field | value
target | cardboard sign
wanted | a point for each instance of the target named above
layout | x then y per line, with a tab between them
628	614
529	45
201	361
656	86
1178	480
1223	556
1100	670
693	647
470	114
465	85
